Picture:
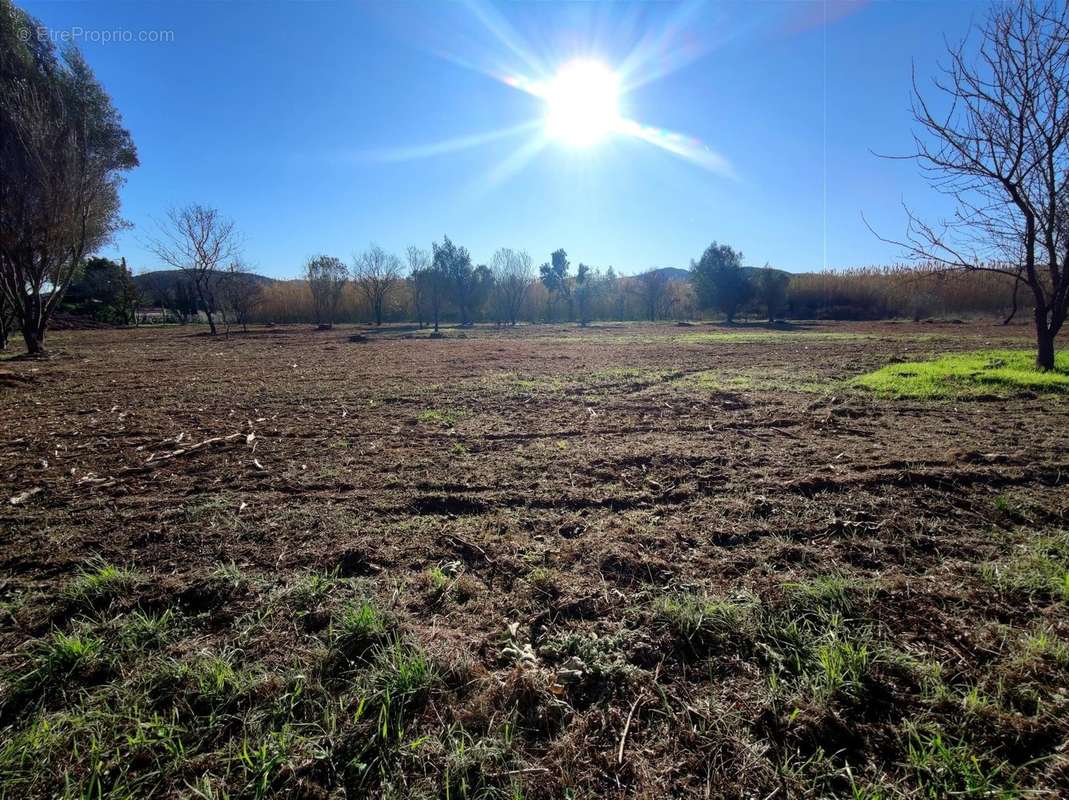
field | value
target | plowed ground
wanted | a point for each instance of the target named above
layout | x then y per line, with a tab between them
630	560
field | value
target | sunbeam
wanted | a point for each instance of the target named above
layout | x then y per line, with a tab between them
683	146
453	145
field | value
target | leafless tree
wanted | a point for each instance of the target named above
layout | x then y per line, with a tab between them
326	276
64	152
239	294
375	272
513	276
651	287
994	137
418	262
199	241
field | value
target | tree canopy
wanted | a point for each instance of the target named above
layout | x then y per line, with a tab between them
64	152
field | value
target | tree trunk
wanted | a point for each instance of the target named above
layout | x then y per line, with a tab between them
211	322
1044	345
35	342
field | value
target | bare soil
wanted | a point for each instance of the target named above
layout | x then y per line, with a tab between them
608	492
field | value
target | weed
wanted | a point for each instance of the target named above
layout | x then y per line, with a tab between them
142	629
402	670
98	583
843	663
437	579
447	418
945	768
1038	568
358	628
312	589
229	575
822	595
706	623
54	660
207	682
545	582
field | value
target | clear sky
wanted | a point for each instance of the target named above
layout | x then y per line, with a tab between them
323	126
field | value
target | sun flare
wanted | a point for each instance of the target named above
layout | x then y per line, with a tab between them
582	103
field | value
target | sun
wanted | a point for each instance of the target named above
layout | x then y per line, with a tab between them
582	103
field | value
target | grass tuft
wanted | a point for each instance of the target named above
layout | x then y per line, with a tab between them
359	627
705	623
99	582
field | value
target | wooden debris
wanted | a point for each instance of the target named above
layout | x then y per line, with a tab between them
22	497
157	457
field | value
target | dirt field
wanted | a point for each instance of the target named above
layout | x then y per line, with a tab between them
635	561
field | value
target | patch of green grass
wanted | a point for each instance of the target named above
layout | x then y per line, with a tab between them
945	768
447	418
825	594
984	372
755	337
1038	568
1042	645
545	582
54	659
207	681
841	665
229	574
402	670
706	623
473	767
312	589
99	582
437	579
142	629
716	380
358	628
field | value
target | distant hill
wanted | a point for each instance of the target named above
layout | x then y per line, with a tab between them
161	283
673	273
677	274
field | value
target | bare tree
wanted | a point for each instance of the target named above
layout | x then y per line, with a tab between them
418	261
998	145
240	294
199	241
651	286
513	276
326	276
375	272
64	152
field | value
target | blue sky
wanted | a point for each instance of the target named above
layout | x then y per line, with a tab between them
313	125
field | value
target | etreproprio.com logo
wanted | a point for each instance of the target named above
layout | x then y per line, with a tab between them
79	35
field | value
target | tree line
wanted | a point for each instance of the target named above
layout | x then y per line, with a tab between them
376	287
996	142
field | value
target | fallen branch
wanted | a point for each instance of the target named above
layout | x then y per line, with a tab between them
155	458
22	497
627	727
